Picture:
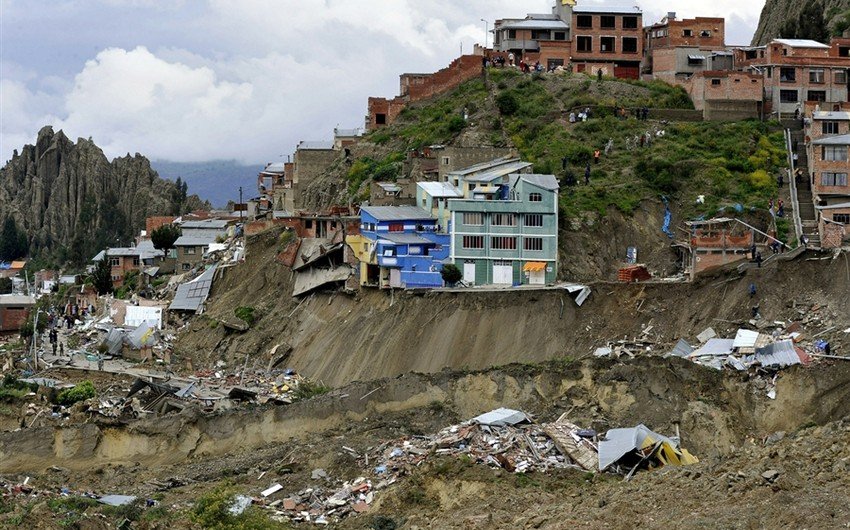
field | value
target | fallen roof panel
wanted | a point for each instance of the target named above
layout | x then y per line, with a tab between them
501	417
311	279
191	295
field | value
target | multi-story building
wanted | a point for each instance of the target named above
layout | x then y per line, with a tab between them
609	39
400	247
506	232
798	70
433	197
125	259
829	163
537	37
675	49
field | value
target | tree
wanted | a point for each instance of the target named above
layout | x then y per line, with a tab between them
13	243
163	238
101	278
451	274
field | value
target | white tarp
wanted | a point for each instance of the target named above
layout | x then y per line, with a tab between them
136	315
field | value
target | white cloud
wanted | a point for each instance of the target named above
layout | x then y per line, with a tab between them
243	79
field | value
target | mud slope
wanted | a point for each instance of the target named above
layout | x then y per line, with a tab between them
338	338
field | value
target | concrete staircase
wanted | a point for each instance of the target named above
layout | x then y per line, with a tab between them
808	215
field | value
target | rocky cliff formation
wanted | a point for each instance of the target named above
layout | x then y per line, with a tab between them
71	201
780	18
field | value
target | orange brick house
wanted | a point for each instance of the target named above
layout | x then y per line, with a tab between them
608	38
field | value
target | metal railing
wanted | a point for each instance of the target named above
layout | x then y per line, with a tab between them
792	182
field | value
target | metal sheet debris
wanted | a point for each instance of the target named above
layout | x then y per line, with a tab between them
745	338
117	500
682	349
191	295
715	347
706	335
501	417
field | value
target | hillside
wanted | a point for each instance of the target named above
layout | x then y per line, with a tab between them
71	201
731	165
806	19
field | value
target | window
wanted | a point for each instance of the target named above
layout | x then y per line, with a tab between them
839	77
504	219
769	71
560	35
135	262
473	219
630	45
695	60
396	227
114	262
830	127
630	23
116	278
535	197
715	82
841	218
844	51
705	33
503	243
188	250
833	179
534	219
787	74
308	224
540	34
473	242
687	33
186	266
533	243
607	22
816	95
834	153
446	160
414	250
607	44
584	21
512	34
816	75
380	119
788	96
584	44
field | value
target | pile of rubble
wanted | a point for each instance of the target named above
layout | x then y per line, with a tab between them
504	439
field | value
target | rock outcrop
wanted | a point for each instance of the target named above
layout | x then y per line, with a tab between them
776	14
71	201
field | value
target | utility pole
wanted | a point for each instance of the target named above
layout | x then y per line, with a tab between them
486	32
240	204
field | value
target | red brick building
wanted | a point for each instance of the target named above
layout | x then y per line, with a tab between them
609	39
829	163
14	311
797	71
726	95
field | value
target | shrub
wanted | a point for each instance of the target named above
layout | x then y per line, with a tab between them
451	274
507	103
81	392
308	389
213	512
759	179
245	313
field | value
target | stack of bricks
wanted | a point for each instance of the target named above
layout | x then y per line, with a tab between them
633	273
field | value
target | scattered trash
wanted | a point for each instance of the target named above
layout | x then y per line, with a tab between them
117	500
240	504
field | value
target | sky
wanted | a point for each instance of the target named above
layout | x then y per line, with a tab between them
198	80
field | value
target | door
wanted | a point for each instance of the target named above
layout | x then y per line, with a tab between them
395	278
503	272
537	277
469	272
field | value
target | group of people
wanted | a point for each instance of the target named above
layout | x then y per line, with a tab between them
640	113
777	208
582	115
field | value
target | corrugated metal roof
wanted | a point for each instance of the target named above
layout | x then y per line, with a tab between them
547	182
404	239
274	169
397	213
745	338
440	189
834	206
715	347
16	300
501	417
315	146
779	354
682	349
191	295
195	240
620	442
801	43
498	172
347	133
210	224
389	187
831	115
632	10
696	57
841	139
483	166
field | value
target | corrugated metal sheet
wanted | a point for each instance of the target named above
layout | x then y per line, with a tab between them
397	213
777	355
405	239
682	349
501	417
191	295
715	347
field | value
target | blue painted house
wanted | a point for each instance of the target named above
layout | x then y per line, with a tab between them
403	247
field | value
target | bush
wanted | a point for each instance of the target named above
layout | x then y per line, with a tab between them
213	512
245	313
308	389
81	392
451	274
759	179
507	103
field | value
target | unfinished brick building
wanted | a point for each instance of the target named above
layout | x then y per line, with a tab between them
727	95
608	38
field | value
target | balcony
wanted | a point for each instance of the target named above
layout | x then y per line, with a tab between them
519	44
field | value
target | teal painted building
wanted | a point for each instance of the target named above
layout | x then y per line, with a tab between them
505	231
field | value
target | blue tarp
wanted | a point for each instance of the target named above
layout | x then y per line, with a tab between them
668	216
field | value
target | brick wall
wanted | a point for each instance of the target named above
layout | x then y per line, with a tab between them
597	33
389	109
710	260
832	235
309	164
676	34
821	166
12	318
152	223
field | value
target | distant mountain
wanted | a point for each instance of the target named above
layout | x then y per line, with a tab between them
216	181
70	201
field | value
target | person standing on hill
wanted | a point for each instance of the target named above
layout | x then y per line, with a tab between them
587	174
596	155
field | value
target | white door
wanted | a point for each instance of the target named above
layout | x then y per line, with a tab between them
537	278
503	272
469	273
